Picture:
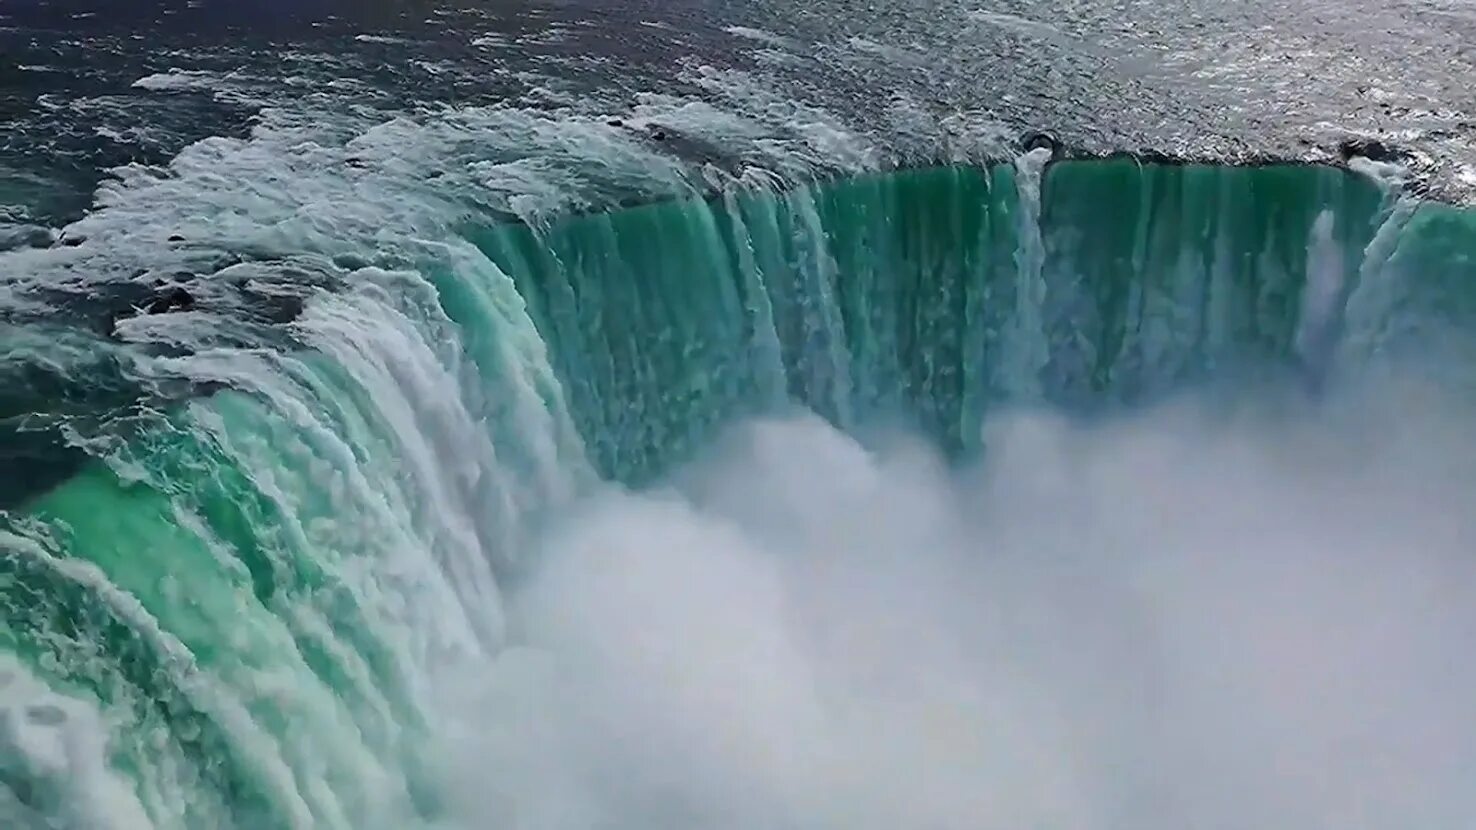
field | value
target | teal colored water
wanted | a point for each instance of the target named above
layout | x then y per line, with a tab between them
900	295
247	610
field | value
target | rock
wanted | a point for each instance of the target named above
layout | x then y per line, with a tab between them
24	236
1369	148
350	262
166	299
177	298
1037	140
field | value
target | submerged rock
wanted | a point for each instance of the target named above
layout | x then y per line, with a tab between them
177	298
1369	148
166	300
46	714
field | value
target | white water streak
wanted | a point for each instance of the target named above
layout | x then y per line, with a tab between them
1026	349
1322	295
1371	305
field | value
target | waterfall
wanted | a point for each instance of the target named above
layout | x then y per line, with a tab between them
1026	350
263	588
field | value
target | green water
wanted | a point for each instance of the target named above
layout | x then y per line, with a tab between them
260	600
894	295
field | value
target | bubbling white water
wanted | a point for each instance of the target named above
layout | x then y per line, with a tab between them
1200	616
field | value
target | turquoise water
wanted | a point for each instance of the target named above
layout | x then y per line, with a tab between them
249	608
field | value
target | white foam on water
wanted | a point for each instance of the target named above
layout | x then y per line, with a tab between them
762	36
803	138
1016	24
62	740
310	180
228	87
176	80
895	54
1390	176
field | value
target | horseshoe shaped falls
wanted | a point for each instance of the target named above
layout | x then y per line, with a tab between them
755	414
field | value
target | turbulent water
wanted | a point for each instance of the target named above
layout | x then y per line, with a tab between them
523	458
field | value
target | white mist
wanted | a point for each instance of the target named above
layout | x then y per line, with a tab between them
1201	616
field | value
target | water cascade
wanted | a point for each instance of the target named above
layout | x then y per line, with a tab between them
246	606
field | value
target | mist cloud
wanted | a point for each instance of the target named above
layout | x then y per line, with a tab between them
1203	616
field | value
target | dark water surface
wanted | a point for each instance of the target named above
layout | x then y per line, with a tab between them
1205	81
